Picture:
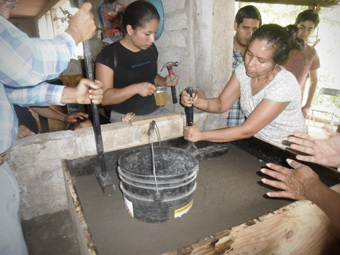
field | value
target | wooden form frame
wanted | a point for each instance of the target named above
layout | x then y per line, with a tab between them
298	228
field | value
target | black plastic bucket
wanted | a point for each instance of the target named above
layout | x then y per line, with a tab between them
167	195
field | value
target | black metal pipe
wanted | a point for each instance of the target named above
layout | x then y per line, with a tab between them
190	110
103	177
174	96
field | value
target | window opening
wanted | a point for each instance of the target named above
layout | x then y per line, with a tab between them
55	21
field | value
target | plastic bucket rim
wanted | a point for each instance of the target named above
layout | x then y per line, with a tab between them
125	192
160	176
196	163
161	180
161	188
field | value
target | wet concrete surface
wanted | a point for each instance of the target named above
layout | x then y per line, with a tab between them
228	194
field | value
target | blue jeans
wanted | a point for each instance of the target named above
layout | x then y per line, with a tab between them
11	238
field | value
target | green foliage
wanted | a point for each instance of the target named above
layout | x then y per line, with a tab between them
66	15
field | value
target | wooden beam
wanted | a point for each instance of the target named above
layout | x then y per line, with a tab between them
323	3
49	6
149	119
299	228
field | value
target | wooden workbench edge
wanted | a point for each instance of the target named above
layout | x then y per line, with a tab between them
298	228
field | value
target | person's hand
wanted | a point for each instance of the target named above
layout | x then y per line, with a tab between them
129	116
81	25
171	80
84	94
294	183
305	110
192	133
321	151
187	100
74	116
24	131
145	89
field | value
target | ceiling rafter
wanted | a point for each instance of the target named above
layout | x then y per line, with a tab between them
323	3
33	9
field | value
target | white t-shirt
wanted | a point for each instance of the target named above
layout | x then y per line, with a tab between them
283	88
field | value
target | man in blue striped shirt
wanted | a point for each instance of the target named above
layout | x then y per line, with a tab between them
25	63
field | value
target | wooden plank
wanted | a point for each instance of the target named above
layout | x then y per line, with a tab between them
147	120
299	228
323	3
84	237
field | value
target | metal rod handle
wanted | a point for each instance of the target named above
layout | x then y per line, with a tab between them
190	110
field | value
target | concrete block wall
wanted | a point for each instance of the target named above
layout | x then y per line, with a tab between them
198	34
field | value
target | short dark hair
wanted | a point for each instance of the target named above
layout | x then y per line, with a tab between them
281	39
309	15
74	125
248	12
136	14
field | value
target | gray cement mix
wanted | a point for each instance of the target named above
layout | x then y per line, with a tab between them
229	193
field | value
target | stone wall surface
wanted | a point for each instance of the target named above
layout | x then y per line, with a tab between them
198	34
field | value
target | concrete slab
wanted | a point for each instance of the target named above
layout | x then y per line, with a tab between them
227	194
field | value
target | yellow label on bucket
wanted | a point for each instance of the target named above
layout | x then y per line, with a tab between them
183	210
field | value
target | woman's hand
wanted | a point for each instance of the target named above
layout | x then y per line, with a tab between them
187	100
145	89
171	80
321	151
305	110
294	183
192	133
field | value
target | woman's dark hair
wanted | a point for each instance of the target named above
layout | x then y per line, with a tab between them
136	14
73	125
281	39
